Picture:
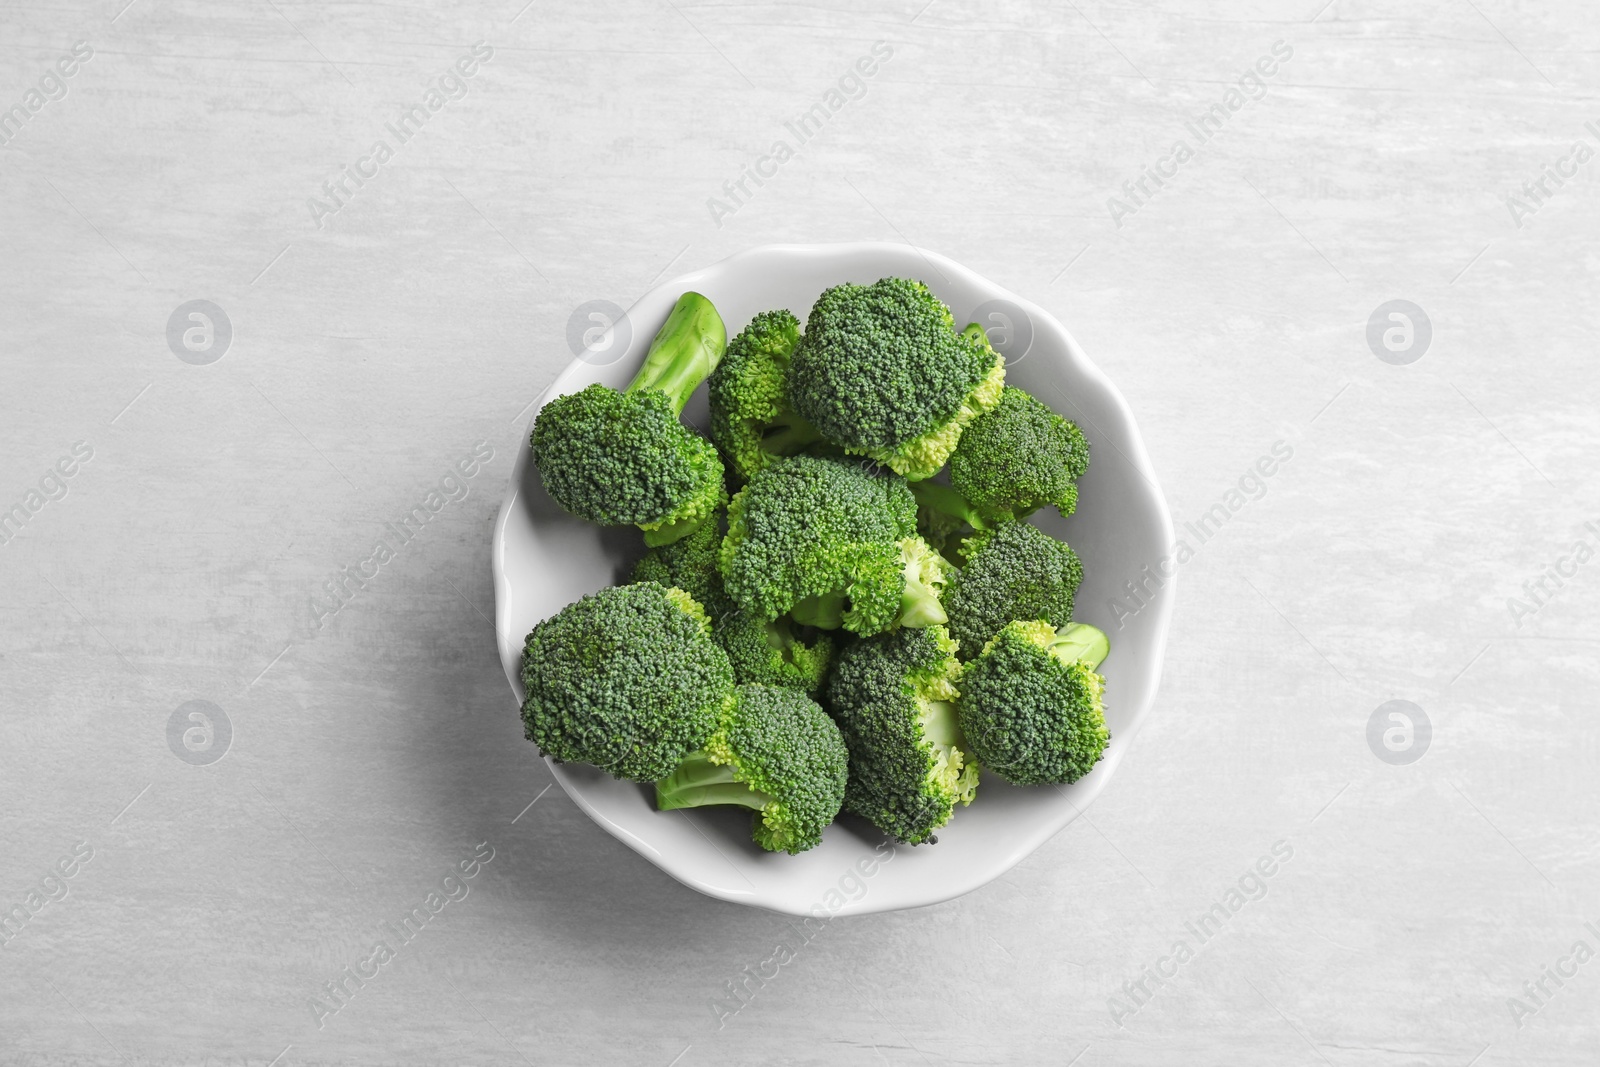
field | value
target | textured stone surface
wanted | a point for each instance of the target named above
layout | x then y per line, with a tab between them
374	345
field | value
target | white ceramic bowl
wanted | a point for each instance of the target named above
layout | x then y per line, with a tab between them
545	559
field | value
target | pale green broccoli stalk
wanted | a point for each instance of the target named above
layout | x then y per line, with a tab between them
1014	460
625	458
945	519
1031	703
751	420
627	679
893	697
925	573
775	752
881	372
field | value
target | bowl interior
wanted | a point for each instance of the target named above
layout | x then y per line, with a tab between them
545	558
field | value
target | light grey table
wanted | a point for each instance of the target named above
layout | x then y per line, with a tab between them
384	320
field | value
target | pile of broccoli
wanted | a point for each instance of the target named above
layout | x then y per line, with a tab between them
840	604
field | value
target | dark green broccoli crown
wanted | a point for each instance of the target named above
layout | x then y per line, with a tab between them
627	679
618	458
1015	571
775	752
1030	715
816	527
771	653
784	746
751	420
1019	457
880	366
689	563
892	696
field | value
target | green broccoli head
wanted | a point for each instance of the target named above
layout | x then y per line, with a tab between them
690	564
1014	571
772	652
619	458
1019	457
761	651
776	752
893	698
627	679
751	420
1030	703
881	372
821	538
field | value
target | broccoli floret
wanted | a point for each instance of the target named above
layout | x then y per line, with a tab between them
823	539
1014	460
893	697
1031	702
762	651
771	652
690	563
627	679
751	420
1014	571
881	372
618	458
776	752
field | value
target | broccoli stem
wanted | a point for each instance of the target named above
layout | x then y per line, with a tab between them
673	531
924	573
684	352
787	435
1079	642
939	723
946	501
778	635
825	612
976	330
698	782
919	604
941	728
